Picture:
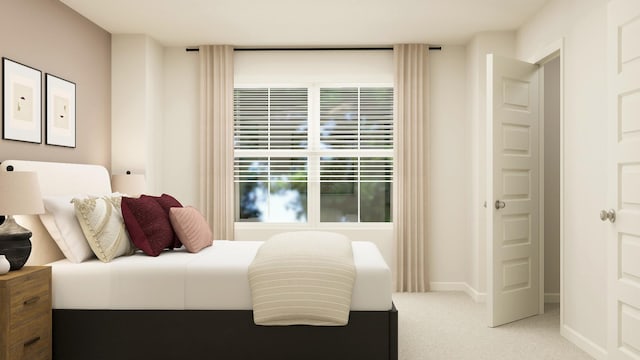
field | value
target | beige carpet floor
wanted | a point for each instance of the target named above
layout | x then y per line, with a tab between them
450	325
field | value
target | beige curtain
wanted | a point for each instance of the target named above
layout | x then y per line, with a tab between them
216	139
412	160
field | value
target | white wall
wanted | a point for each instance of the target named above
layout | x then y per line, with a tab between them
273	67
450	181
582	24
128	99
136	107
181	109
154	110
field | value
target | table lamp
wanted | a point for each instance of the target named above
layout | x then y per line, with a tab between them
131	184
19	195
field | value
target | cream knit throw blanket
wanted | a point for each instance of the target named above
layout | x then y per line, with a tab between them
303	281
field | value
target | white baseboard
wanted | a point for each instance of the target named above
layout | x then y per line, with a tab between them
477	296
458	286
552	298
448	286
583	343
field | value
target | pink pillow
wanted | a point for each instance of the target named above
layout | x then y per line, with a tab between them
167	202
191	227
147	224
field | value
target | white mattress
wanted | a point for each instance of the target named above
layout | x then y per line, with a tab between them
213	279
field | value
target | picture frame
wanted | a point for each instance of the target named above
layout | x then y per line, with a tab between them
60	111
21	102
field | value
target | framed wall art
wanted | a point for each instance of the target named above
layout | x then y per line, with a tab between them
21	102
61	112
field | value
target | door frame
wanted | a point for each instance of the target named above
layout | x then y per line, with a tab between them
550	52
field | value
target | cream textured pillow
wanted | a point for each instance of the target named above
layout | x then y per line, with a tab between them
61	223
101	221
192	229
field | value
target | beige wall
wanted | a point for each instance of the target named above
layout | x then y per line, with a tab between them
47	35
552	179
583	26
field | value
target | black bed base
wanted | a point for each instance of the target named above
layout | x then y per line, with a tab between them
217	334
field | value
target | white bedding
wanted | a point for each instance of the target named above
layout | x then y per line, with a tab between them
213	279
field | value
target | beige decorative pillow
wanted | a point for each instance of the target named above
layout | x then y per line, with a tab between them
101	221
192	229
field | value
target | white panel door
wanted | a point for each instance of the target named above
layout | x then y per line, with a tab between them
624	151
512	190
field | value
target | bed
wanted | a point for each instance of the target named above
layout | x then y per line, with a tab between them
121	310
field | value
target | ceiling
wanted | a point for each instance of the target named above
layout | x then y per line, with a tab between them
306	22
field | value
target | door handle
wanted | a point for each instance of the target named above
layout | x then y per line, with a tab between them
500	204
608	214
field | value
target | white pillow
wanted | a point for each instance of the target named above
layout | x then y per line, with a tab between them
102	224
61	223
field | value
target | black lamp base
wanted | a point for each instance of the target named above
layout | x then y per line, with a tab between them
15	243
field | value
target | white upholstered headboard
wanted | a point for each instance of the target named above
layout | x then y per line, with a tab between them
57	179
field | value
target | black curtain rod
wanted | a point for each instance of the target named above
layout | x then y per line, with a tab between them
316	49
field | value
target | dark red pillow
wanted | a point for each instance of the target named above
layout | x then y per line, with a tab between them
167	202
147	224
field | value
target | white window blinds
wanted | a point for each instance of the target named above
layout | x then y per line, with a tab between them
332	146
270	118
356	118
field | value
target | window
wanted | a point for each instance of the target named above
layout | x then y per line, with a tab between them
312	154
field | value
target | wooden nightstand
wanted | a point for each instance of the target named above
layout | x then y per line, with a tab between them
25	314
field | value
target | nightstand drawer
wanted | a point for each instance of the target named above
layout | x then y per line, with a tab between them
30	294
26	306
31	341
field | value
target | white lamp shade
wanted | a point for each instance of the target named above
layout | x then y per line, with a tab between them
20	193
130	184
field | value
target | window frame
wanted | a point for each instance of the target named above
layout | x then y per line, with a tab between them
313	154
